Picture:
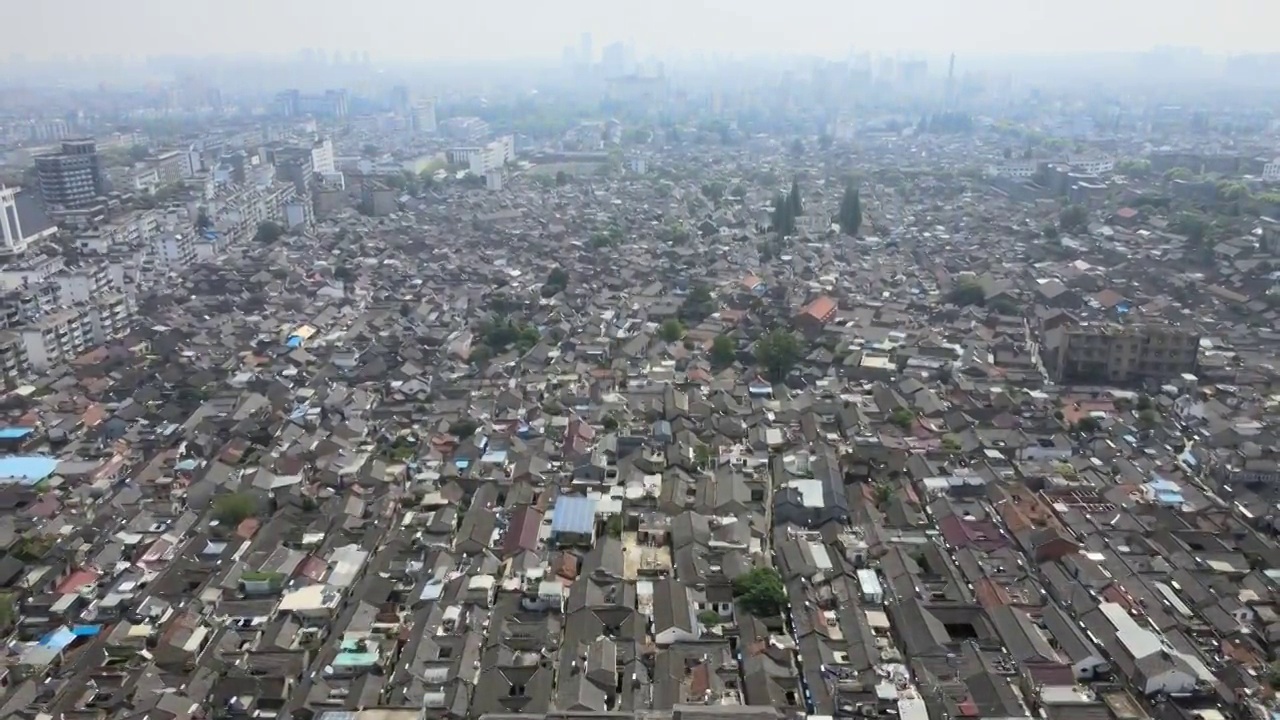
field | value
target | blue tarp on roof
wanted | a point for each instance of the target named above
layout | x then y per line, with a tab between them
294	341
26	470
574	514
15	433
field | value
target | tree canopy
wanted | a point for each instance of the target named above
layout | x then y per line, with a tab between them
967	292
1074	218
761	592
671	330
235	508
557	281
777	353
797	208
723	351
850	216
268	232
697	305
784	219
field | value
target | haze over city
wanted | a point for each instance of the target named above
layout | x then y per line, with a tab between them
506	29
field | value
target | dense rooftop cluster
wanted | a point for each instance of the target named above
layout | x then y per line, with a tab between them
579	433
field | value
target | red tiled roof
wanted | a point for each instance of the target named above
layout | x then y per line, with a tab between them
522	533
75	581
821	308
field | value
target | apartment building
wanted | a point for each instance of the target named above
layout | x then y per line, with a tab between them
1092	164
30	271
1120	353
1271	171
13	360
63	334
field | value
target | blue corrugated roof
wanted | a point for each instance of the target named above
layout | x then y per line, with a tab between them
574	514
13	433
26	470
294	341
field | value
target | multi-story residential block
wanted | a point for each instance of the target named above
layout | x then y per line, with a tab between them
1271	171
1118	353
13	360
56	337
1014	168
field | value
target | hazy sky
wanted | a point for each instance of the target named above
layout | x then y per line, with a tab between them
495	29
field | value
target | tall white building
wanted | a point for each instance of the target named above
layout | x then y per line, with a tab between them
493	156
322	160
14	241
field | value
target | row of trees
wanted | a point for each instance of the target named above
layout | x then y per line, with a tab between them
850	215
786	208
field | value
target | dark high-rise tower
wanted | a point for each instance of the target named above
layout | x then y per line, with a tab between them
72	178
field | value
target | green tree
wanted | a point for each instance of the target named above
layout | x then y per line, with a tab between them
235	508
1049	230
797	147
464	428
967	292
902	417
1193	225
777	353
1144	403
713	191
1148	418
761	592
723	350
613	526
797	208
1088	424
268	232
709	618
697	305
557	281
850	215
881	494
783	221
1074	218
1178	173
671	330
1134	168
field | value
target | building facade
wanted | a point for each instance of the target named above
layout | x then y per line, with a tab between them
72	178
1120	353
1271	171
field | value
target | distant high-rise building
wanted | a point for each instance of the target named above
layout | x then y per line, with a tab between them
586	55
72	178
399	99
293	103
422	117
616	60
